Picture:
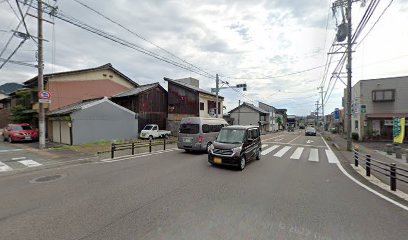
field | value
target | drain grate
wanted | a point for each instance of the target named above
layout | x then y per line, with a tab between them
47	178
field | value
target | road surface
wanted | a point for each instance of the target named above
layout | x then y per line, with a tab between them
296	191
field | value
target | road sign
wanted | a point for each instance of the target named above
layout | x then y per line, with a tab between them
363	108
44	97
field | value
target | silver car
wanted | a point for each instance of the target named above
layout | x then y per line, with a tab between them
197	134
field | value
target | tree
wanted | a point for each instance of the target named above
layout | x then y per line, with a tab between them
279	121
19	112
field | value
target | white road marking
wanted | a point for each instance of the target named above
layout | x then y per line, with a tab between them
266	151
295	144
264	145
11	150
314	155
364	186
309	141
297	153
4	167
279	139
282	151
294	139
109	160
331	157
30	163
18	158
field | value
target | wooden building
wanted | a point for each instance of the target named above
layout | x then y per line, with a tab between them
148	101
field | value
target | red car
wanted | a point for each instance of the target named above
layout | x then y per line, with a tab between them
19	132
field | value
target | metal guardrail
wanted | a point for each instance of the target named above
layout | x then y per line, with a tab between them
390	170
139	144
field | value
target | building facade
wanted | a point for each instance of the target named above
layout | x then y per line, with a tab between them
186	99
375	103
273	116
148	101
249	114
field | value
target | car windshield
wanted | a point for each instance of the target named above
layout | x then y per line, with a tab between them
231	135
20	128
148	127
310	129
190	128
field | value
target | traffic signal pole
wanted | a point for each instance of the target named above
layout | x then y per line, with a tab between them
349	55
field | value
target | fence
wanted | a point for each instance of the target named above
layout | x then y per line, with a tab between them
390	170
139	144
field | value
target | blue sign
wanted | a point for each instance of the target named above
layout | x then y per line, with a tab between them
336	114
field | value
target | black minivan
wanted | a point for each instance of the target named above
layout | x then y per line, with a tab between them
236	146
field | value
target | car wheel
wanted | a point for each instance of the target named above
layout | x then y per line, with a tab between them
242	163
187	150
258	155
150	138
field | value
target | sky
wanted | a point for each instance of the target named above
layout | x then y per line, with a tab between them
260	43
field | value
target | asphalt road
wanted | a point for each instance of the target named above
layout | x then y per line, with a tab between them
294	192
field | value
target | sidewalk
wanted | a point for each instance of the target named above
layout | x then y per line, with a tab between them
373	149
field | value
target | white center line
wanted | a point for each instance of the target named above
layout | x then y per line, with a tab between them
331	157
314	155
4	167
282	151
30	163
18	158
266	151
297	153
11	150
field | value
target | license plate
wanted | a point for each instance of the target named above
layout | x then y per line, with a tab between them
27	138
218	160
187	140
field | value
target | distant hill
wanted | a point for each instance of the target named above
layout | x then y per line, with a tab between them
8	88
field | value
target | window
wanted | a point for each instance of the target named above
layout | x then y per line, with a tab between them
190	128
201	106
356	124
254	133
383	95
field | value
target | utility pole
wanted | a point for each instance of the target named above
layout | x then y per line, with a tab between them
239	110
317	114
41	113
217	86
349	55
324	117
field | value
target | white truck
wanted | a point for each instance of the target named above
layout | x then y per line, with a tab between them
151	131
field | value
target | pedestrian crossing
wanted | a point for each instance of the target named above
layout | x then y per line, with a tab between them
311	154
18	163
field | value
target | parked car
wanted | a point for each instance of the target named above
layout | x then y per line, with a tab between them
19	132
151	131
301	125
197	134
310	131
291	129
236	146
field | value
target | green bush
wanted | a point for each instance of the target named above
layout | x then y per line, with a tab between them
354	136
333	130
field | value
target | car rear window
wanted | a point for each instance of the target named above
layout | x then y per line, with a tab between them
20	128
190	128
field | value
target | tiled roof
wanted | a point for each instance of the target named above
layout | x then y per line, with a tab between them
251	106
74	107
191	87
136	91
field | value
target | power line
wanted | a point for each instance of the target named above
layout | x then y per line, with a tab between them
139	36
12	54
378	19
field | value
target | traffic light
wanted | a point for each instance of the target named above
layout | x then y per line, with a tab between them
243	86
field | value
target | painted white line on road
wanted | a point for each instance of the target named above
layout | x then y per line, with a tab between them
331	157
309	141
279	139
4	167
364	186
30	163
314	155
264	145
294	139
109	160
18	158
266	151
272	138
296	144
297	153
282	151
10	150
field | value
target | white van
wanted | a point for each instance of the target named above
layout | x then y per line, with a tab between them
197	134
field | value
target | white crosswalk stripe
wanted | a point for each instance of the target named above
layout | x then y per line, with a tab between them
4	167
281	152
314	155
264	146
30	163
331	157
266	151
297	153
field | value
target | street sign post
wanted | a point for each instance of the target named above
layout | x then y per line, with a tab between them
44	97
